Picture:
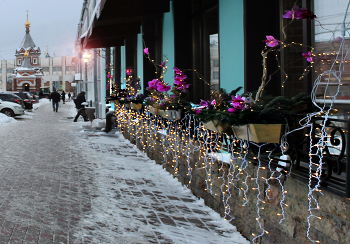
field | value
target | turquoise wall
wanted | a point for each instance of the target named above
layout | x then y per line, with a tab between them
122	68
140	59
169	44
231	38
103	83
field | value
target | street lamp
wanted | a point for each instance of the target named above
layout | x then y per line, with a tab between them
86	57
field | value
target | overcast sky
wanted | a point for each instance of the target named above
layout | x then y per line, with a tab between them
53	23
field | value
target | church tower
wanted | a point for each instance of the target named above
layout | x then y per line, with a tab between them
27	76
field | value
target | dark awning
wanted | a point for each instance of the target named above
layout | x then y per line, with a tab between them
119	19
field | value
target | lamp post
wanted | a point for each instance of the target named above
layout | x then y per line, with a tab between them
86	57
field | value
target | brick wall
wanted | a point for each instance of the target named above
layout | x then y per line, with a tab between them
334	227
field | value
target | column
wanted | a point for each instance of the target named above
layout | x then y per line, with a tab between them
64	74
3	75
50	70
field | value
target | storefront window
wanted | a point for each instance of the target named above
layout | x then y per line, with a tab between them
206	49
330	36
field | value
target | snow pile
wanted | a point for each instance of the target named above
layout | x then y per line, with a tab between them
4	119
42	101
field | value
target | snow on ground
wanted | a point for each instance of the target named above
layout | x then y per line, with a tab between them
132	191
42	101
4	119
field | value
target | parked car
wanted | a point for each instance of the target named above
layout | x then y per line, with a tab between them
35	96
10	97
27	99
11	109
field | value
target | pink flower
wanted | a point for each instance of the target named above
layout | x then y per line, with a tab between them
238	102
232	110
109	76
203	103
146	51
198	111
301	13
163	64
308	56
161	87
177	71
128	71
183	87
180	78
152	85
271	41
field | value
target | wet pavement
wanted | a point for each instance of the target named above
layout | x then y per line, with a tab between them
65	182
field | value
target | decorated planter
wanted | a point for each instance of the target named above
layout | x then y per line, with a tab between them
259	133
170	114
136	106
219	127
153	110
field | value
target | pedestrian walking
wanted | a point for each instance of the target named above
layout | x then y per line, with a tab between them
69	95
81	108
55	97
63	97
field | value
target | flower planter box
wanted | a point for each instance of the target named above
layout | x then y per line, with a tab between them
218	127
136	106
170	114
153	110
259	133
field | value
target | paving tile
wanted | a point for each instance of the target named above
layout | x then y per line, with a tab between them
55	190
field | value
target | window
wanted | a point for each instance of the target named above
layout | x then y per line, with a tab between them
9	70
70	68
327	49
56	84
35	61
46	69
19	61
216	63
56	68
206	46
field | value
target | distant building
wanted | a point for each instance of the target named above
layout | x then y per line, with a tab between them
30	72
27	75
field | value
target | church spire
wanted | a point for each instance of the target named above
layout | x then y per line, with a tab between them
27	41
27	24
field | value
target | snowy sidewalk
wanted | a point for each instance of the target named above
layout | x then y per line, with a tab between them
64	184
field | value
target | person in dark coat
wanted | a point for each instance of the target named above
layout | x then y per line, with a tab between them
69	95
63	97
55	97
81	108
